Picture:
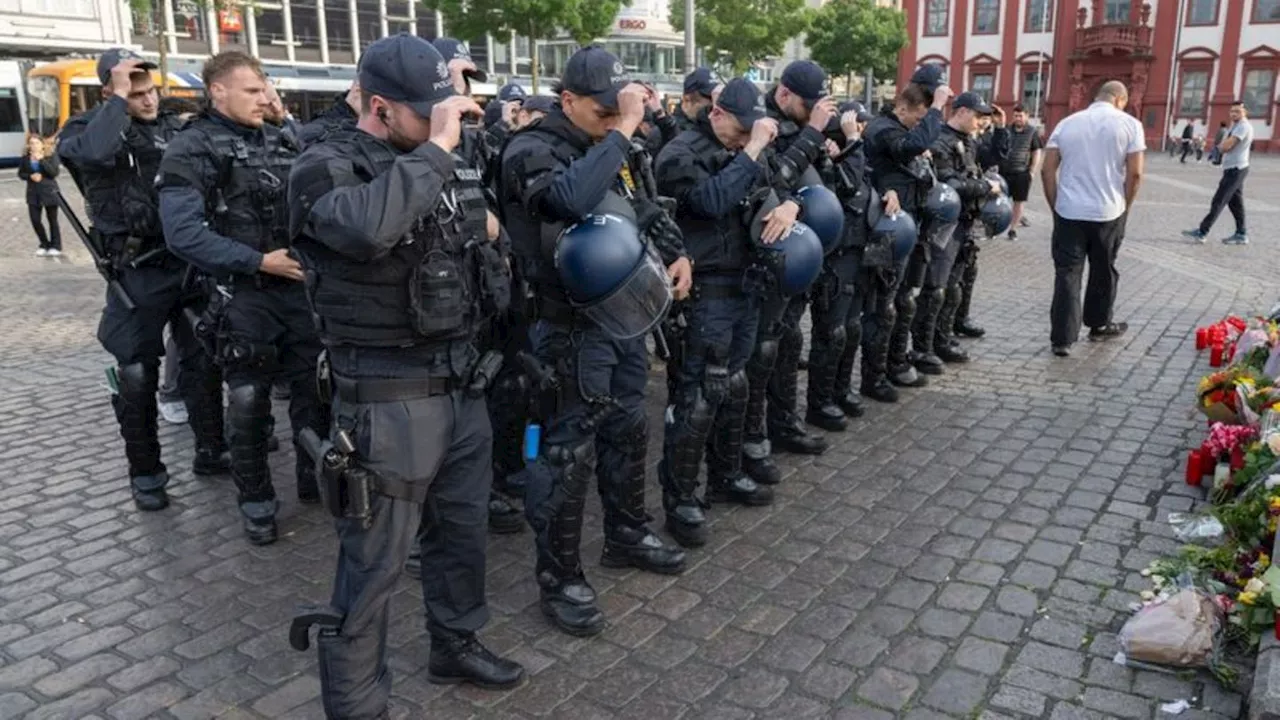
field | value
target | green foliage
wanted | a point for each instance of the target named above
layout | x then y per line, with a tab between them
737	33
583	20
853	36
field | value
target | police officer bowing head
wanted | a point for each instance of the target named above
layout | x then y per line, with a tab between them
392	228
113	152
802	97
555	173
712	171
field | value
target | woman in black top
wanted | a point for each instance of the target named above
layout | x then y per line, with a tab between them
39	168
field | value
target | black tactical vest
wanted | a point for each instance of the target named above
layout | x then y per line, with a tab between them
250	203
437	285
536	149
716	245
125	201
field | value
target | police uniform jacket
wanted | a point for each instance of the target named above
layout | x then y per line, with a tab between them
394	243
710	186
995	147
893	153
552	176
337	117
955	162
222	194
113	159
854	188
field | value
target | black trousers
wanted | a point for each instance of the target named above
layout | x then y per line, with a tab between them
1074	242
1230	193
52	240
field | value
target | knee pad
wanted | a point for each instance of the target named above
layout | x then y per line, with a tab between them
250	401
765	356
839	336
572	467
138	379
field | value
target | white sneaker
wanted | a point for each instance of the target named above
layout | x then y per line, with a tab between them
174	413
41	252
54	253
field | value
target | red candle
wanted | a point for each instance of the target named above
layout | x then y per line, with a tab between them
1237	323
1215	355
1202	338
1195	468
1231	352
1237	457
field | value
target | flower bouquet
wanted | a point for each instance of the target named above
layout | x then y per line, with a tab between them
1221	394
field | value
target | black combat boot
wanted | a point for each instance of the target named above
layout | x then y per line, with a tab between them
850	404
794	439
741	490
259	520
828	416
685	519
637	547
504	518
570	604
463	659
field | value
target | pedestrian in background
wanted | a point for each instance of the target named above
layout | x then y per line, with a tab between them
1234	151
1026	150
39	169
1092	170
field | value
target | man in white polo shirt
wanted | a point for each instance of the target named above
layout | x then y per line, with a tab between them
1092	169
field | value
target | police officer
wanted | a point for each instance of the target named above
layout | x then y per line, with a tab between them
895	147
113	152
699	87
802	110
500	113
954	158
554	173
711	171
222	199
848	293
341	114
398	245
958	156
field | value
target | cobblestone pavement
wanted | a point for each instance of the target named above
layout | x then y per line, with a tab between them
968	552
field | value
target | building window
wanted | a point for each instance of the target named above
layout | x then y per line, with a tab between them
1259	92
1202	12
935	22
984	85
1032	93
1116	12
1266	10
1038	16
1192	93
986	17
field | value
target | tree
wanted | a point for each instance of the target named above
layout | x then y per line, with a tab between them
855	36
147	9
740	32
583	20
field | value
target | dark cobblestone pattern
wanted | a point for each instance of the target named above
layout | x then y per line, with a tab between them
970	552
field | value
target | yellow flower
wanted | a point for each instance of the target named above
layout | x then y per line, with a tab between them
1274	503
1247	598
1264	560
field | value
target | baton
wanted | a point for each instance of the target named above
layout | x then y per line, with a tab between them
104	266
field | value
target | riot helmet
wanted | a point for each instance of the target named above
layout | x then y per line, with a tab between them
821	210
942	204
997	214
796	259
1004	184
901	230
612	277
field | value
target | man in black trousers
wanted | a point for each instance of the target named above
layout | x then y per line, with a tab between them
1090	195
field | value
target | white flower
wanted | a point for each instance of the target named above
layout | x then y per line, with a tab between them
1146	572
1255	586
1272	480
1147	595
1157	580
1273	443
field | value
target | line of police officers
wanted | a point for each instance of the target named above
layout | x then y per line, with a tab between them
449	287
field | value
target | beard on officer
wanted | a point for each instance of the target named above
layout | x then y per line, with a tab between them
113	152
398	245
554	174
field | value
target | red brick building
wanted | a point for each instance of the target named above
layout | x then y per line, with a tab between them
1183	60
